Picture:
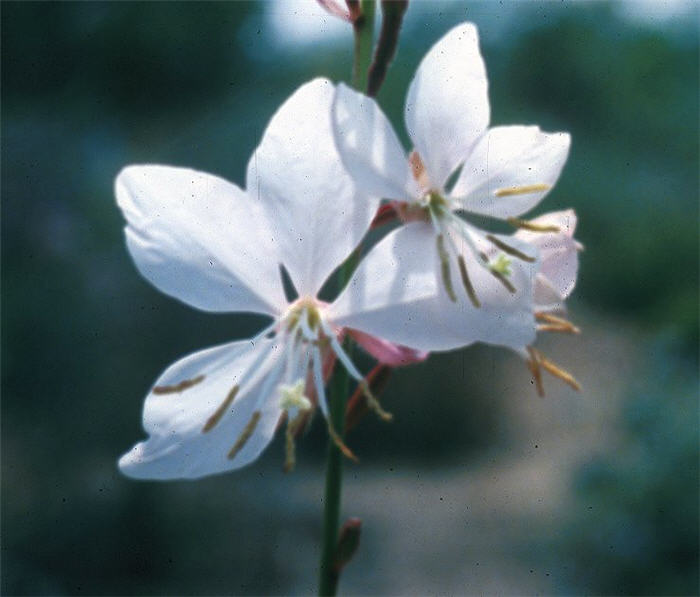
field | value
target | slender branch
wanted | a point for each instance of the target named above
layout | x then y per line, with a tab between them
392	17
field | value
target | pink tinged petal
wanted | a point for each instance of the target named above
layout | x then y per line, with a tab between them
558	256
194	417
510	170
447	106
388	353
397	294
316	214
199	239
369	147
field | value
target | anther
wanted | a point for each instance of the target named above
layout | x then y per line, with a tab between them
534	367
340	444
293	427
178	387
524	190
245	435
445	268
554	369
503	280
506	248
219	413
526	225
467	282
374	404
555	324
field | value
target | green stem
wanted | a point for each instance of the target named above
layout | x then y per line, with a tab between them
364	40
328	575
328	581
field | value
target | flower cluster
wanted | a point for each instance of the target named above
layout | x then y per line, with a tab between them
327	164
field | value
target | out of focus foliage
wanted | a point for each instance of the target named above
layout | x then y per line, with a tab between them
90	87
634	528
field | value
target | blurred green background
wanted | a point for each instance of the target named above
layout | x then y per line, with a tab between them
478	486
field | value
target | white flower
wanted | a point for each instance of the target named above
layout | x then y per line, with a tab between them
218	248
500	172
553	234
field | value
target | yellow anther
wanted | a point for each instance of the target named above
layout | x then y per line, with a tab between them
524	190
539	360
219	413
178	387
293	428
467	282
340	444
531	226
534	367
245	435
445	268
555	324
506	248
374	404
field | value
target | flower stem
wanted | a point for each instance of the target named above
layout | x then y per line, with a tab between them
329	574
364	39
334	476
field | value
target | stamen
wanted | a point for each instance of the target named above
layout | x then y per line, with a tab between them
555	327
293	427
245	435
467	282
178	387
524	190
526	225
373	403
503	280
554	369
562	325
445	268
219	413
534	367
321	392
506	248
340	444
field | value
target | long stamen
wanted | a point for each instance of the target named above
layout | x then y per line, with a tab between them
558	324
178	387
293	427
534	367
523	190
531	226
245	435
372	401
554	369
466	282
506	248
503	280
445	268
217	416
443	255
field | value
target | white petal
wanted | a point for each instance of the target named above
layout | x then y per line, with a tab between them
316	213
369	147
558	253
447	107
397	294
199	239
510	170
177	446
